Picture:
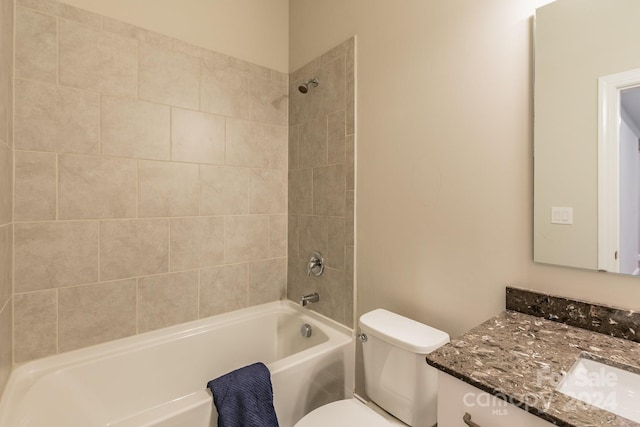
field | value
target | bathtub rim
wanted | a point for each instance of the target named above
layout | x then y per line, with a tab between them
25	375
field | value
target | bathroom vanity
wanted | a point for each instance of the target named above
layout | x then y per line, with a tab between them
510	370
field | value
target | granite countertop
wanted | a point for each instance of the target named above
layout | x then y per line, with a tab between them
522	358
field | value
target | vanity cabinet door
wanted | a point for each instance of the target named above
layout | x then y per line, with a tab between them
457	398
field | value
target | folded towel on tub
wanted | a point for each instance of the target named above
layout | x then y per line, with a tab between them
244	397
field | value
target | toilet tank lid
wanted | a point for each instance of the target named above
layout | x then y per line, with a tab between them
403	332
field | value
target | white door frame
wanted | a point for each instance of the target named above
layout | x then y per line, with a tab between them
609	88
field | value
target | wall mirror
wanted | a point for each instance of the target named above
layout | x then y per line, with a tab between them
586	131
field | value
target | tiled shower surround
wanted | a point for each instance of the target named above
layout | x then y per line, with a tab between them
151	181
321	181
150	177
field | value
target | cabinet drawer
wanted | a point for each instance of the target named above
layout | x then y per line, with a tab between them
457	398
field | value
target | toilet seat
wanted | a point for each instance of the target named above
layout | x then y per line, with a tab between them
347	413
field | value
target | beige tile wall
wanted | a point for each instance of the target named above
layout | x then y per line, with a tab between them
6	189
150	182
321	181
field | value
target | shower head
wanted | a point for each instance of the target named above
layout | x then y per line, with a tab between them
304	87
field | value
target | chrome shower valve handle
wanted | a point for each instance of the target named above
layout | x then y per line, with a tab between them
315	265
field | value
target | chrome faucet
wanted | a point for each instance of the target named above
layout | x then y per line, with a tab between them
308	299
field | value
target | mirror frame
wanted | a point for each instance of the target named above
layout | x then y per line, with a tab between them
609	116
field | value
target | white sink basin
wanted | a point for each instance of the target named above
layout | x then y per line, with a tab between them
614	389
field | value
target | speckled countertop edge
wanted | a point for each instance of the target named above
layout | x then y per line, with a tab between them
521	358
617	322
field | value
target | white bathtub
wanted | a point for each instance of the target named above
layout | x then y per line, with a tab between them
159	378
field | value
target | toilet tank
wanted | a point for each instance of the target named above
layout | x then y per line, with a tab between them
397	377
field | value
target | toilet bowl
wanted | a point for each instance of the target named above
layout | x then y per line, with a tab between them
349	413
402	387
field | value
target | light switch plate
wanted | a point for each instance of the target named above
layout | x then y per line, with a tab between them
562	216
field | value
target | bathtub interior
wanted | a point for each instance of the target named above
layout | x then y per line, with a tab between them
289	339
159	378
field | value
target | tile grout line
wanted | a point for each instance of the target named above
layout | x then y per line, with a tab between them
224	240
248	188
169	245
137	306
226	124
269	236
171	159
138	67
200	191
247	287
57	195
57	51
57	320
99	251
156	160
200	71
138	189
100	110
326	139
198	294
11	146
242	215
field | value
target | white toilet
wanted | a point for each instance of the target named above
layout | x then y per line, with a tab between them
397	377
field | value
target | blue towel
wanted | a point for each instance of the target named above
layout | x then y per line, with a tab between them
244	397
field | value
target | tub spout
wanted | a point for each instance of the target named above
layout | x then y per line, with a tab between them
308	299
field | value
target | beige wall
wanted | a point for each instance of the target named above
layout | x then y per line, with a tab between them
444	157
321	181
150	181
444	146
6	188
577	42
253	30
